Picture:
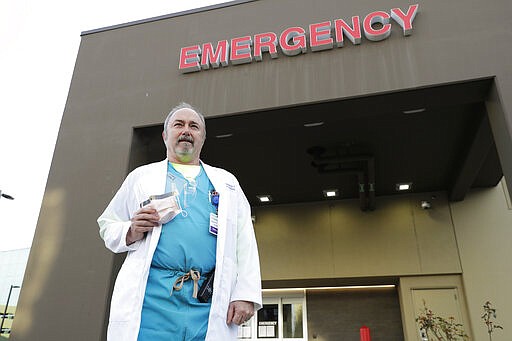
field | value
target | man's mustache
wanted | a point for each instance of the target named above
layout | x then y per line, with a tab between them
186	138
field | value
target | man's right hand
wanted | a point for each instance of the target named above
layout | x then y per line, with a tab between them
143	221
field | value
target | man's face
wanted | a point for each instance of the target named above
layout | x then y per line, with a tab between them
185	137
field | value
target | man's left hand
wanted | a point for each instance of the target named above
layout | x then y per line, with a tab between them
240	312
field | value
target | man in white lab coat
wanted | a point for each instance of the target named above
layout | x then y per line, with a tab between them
210	232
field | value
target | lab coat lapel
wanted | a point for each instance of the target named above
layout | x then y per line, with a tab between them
158	187
219	183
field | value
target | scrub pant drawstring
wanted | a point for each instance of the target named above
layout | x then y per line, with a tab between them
178	284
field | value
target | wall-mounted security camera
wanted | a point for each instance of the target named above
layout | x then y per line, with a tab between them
426	204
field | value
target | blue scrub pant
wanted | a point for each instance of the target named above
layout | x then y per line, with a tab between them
189	320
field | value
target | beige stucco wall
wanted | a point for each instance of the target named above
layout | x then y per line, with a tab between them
483	230
483	226
338	240
472	238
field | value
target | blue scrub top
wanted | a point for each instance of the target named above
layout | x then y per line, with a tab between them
185	243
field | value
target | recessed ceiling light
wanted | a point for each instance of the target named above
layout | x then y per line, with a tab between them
330	193
313	124
264	198
414	111
223	136
404	186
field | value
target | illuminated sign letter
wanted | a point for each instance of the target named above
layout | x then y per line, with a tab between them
320	36
297	36
214	57
405	20
353	33
241	50
294	40
189	59
265	42
377	34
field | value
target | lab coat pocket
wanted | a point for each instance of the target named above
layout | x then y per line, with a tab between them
125	298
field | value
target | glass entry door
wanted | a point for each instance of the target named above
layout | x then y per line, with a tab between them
281	318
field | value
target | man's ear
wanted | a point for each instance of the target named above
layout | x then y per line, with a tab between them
164	137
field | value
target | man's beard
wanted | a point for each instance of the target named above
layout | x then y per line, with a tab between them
185	153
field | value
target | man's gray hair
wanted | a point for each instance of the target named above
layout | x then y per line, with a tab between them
183	105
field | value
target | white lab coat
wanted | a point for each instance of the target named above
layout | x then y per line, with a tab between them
237	269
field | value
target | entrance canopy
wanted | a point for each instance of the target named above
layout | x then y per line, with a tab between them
434	139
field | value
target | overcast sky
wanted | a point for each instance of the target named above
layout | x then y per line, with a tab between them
39	43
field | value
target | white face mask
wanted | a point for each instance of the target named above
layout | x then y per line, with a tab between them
167	205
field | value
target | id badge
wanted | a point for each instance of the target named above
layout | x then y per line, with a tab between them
214	224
